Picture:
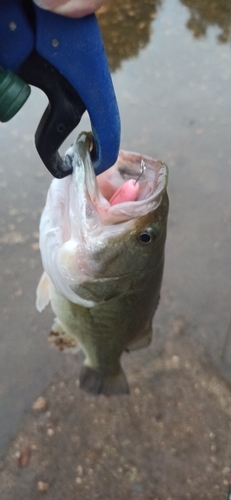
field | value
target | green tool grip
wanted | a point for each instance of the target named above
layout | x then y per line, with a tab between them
13	94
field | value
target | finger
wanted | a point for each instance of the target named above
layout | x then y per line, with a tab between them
71	8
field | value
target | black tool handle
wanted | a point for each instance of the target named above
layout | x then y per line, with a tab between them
61	116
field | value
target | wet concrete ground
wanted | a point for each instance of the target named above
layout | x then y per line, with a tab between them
169	439
174	97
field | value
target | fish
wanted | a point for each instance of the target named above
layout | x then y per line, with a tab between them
102	242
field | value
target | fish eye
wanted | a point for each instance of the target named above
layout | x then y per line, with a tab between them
147	236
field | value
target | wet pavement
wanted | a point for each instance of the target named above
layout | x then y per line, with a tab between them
169	439
172	75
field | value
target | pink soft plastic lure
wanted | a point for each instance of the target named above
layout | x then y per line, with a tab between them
127	192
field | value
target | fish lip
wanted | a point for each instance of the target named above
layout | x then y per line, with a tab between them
83	188
163	173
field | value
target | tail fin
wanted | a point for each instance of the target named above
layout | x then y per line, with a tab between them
97	382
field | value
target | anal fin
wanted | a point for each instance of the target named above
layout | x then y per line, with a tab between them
141	342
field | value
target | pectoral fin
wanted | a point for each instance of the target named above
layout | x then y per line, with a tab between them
43	294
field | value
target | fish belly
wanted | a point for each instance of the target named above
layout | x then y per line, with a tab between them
103	332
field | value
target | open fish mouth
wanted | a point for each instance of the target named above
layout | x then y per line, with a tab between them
131	188
150	176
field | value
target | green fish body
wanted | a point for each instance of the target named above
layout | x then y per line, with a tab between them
103	277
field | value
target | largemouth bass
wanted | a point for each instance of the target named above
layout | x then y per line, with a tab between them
102	244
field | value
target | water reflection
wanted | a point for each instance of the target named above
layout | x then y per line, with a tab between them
204	13
126	28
